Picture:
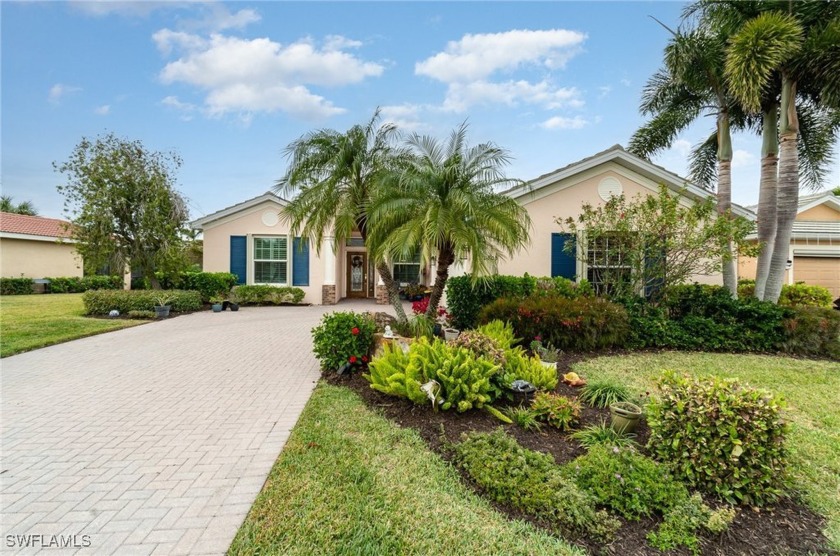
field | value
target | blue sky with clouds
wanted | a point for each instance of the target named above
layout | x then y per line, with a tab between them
229	85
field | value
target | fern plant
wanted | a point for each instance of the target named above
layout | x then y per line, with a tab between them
500	332
518	366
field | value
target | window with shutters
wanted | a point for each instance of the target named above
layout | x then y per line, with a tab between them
607	263
271	260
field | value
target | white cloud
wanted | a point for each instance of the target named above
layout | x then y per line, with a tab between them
681	147
742	159
260	75
478	56
469	67
604	92
558	122
626	82
103	110
59	90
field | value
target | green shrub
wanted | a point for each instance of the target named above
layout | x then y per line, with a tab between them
390	373
465	381
524	417
581	324
481	346
210	284
267	295
518	366
558	411
812	331
500	332
530	482
720	436
798	294
603	393
343	338
79	284
683	521
101	302
16	286
624	480
465	297
141	314
602	435
418	326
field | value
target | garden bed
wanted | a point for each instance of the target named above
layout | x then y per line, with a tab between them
786	528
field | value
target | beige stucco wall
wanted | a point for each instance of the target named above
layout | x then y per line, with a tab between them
250	223
563	200
38	259
819	213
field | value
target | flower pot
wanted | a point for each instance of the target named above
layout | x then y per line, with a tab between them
625	417
217	307
234	306
549	364
162	311
450	333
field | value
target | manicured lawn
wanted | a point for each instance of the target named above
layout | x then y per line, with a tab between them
810	387
351	482
33	321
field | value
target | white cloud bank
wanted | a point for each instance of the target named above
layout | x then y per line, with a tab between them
247	76
59	91
559	122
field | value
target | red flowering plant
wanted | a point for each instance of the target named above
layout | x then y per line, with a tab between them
343	341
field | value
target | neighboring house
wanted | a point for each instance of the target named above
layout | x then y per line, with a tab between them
252	241
36	247
814	255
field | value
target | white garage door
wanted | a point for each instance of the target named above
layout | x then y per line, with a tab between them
818	271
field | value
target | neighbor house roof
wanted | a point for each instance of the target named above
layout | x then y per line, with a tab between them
618	155
200	223
33	227
818	230
822	198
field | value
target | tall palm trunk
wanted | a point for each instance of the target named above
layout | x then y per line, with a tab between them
767	196
724	195
788	196
446	256
392	289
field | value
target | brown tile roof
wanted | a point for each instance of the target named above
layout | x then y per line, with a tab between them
33	225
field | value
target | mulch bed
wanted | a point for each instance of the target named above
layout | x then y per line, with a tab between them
787	528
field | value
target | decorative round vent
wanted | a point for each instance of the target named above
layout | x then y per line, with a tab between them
609	187
270	218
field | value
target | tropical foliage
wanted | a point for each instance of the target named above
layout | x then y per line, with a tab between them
25	208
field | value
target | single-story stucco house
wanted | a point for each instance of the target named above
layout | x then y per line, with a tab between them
252	241
814	256
36	247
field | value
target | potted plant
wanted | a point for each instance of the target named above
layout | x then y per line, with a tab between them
625	417
162	307
547	354
451	333
216	304
414	292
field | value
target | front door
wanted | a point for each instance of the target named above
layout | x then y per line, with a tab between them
357	275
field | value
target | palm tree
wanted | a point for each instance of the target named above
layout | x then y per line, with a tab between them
26	208
795	43
691	85
335	176
444	202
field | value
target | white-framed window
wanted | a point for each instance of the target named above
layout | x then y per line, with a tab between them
271	260
407	269
606	264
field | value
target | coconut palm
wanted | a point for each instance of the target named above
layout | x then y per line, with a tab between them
334	176
798	45
444	202
26	208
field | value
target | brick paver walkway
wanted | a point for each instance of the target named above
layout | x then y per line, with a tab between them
154	439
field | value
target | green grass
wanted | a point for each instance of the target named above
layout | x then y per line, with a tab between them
34	321
351	482
810	387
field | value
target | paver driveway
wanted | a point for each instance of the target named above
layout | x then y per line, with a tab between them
154	439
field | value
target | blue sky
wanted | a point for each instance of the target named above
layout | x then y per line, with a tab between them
229	85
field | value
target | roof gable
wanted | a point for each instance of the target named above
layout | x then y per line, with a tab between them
268	196
826	198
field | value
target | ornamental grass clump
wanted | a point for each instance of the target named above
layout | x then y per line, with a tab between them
603	393
720	436
343	340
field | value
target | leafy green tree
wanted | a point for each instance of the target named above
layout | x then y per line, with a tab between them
444	202
794	44
651	242
123	203
25	208
334	177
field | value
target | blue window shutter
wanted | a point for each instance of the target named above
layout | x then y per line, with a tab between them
239	258
563	263
300	262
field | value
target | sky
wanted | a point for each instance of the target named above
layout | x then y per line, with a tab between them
229	85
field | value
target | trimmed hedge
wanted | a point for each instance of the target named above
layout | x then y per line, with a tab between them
267	295
812	331
209	284
581	324
102	302
15	286
79	284
799	294
465	298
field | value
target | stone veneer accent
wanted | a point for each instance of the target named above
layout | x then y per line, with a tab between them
381	295
328	295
